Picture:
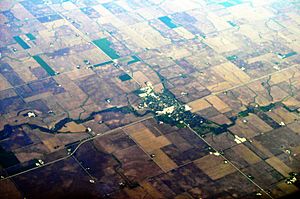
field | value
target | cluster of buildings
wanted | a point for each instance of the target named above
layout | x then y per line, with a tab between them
163	104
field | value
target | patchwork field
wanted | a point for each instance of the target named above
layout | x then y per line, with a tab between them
149	99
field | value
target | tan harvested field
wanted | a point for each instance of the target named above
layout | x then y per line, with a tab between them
220	119
140	77
52	144
276	117
282	77
198	105
295	127
145	138
285	115
214	166
176	52
221	45
258	123
21	68
291	102
219	87
163	161
279	166
278	94
151	190
245	153
285	189
4	84
73	128
261	148
243	130
231	73
218	103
